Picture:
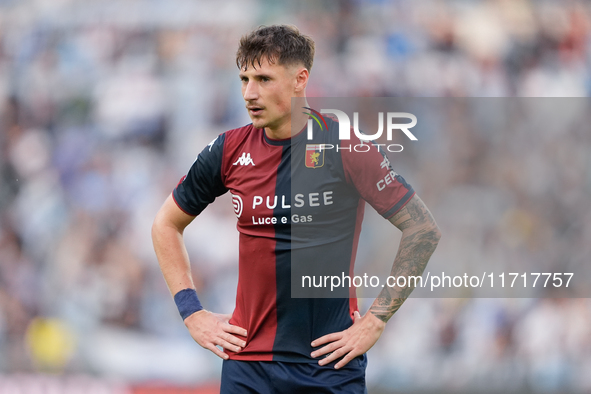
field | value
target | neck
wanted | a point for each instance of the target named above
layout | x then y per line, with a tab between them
293	123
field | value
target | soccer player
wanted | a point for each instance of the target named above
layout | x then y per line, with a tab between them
295	203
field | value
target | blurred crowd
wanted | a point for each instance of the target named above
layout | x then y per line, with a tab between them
105	104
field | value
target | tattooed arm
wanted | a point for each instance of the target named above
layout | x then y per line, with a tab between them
420	236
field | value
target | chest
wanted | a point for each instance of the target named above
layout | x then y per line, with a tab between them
278	187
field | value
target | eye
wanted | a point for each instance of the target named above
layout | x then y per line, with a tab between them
244	79
265	79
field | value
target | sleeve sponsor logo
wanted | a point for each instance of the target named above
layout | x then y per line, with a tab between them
388	179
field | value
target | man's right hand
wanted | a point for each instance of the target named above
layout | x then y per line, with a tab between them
213	329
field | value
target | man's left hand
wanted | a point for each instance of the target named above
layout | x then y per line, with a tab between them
350	343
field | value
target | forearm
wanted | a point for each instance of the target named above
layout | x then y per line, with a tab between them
419	239
208	329
420	236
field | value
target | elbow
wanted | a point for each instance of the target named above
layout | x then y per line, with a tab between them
427	232
165	224
157	226
435	232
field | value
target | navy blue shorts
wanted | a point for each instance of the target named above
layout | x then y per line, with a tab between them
276	377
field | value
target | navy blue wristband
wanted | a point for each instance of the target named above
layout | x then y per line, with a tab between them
187	302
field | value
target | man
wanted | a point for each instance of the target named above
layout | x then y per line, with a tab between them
290	208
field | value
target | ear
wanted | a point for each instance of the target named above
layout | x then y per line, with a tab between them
301	80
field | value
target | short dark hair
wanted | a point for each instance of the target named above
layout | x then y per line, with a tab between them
283	44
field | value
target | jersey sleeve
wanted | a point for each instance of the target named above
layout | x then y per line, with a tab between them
203	183
369	170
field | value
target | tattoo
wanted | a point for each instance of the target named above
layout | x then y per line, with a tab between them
420	236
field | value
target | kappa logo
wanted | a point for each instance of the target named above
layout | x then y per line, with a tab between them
244	160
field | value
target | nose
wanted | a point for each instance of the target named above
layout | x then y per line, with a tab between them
250	91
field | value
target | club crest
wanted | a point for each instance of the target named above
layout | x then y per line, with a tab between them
314	156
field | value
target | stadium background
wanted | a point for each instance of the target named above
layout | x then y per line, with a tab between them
104	105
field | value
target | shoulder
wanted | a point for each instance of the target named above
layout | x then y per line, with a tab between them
242	133
245	137
342	132
231	139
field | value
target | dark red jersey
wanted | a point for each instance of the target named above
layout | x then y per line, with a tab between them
299	205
